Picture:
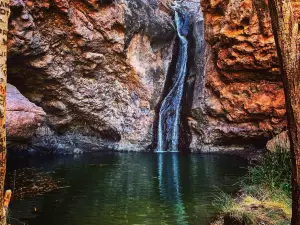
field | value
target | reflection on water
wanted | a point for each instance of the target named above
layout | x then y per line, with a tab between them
169	184
129	188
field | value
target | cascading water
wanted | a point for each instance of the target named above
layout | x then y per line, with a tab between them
169	114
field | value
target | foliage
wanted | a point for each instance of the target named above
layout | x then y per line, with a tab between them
266	193
230	207
223	202
273	173
271	178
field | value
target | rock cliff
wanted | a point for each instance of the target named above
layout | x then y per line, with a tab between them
243	98
97	68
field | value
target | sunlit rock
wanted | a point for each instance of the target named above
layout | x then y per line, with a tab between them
243	99
23	117
279	142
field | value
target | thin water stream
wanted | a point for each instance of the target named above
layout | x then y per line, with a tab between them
169	114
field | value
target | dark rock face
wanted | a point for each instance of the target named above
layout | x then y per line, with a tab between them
141	18
97	68
23	117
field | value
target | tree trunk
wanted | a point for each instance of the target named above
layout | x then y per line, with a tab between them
4	15
285	29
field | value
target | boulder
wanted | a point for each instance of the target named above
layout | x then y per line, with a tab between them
279	142
23	117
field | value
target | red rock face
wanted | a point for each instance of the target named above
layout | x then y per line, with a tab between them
98	69
241	36
244	97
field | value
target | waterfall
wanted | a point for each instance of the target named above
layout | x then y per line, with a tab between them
169	114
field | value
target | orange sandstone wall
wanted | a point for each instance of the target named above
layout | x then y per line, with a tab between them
244	99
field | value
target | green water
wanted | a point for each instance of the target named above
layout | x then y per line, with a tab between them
128	188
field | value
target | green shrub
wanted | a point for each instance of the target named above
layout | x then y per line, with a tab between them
266	193
272	174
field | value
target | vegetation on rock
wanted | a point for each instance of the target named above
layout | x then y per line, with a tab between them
265	196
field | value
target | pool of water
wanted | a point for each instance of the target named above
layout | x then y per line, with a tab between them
127	188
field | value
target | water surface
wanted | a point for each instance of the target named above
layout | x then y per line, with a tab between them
128	188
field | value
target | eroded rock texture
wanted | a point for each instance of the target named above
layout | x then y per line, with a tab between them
96	67
243	98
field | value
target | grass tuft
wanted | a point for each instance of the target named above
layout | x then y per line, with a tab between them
266	193
224	202
271	179
273	173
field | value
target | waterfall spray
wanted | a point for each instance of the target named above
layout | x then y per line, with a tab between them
169	114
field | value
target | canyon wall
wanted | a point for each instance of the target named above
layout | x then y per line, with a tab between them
97	68
242	100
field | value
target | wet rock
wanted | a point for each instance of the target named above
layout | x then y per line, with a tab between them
97	68
23	117
77	151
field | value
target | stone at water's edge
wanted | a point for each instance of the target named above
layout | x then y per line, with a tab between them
23	117
97	68
279	142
